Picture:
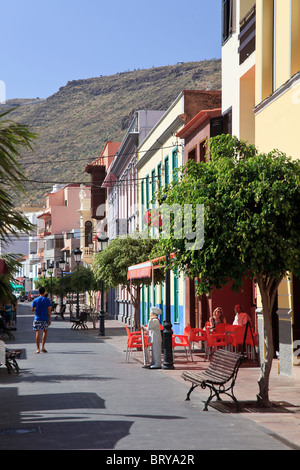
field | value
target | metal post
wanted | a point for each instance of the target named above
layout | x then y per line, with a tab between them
77	304
51	287
167	332
102	312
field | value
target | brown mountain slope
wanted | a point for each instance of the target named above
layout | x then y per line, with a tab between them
74	123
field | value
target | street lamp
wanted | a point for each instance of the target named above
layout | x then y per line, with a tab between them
167	332
61	264
77	256
51	269
102	244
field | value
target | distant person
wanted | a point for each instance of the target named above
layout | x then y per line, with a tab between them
15	306
8	312
241	318
42	307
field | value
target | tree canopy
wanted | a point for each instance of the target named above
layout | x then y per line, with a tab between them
111	265
251	207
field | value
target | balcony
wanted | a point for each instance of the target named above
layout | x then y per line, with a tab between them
247	35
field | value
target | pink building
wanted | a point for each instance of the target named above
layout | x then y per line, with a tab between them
61	224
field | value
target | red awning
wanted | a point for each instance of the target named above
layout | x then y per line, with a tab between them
139	271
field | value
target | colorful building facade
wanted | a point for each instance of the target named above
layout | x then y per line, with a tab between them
261	102
159	156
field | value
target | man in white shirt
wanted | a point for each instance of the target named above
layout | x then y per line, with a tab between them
241	317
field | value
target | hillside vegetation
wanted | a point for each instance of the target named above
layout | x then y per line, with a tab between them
74	123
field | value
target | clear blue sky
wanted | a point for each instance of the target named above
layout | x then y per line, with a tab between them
46	43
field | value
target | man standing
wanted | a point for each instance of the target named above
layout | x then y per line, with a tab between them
42	319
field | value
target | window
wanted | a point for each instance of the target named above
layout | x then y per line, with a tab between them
167	176
49	244
227	122
227	19
142	202
192	154
295	37
147	192
59	243
159	175
88	233
153	186
202	151
174	163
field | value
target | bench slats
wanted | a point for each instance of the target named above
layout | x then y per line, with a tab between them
222	369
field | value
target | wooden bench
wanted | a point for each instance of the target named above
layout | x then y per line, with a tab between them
79	322
11	360
61	313
219	377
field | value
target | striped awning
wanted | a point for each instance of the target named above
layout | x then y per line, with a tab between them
140	271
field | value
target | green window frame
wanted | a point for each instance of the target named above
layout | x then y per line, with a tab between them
147	192
167	174
153	187
159	175
142	202
174	162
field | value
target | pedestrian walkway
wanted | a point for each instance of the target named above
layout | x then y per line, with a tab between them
82	395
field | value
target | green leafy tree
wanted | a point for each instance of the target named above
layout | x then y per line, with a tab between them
83	280
251	206
111	266
50	286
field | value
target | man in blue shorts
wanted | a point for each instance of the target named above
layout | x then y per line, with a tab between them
42	307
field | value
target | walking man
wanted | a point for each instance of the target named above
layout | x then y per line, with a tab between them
42	307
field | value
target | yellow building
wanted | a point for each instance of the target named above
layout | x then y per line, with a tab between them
158	157
261	103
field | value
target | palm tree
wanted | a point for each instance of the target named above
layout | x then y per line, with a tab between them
13	138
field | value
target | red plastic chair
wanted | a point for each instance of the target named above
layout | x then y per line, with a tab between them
195	335
183	341
134	342
214	340
236	338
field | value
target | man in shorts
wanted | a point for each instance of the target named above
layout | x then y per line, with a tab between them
42	307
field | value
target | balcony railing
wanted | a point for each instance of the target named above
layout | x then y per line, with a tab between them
247	35
87	252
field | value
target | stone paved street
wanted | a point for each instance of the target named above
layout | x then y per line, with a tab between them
81	395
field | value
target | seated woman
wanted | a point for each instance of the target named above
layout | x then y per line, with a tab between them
9	312
217	317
